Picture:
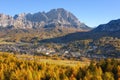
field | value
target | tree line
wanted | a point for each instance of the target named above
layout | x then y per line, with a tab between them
13	68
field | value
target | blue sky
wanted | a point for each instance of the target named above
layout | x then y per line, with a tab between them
91	12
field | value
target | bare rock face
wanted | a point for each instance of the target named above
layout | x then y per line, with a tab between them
63	17
37	17
55	17
21	22
6	20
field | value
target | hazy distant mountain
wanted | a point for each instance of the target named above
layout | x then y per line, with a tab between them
54	18
113	25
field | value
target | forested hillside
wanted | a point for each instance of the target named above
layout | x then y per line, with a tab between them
14	68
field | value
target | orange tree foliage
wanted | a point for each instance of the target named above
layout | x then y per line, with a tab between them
13	68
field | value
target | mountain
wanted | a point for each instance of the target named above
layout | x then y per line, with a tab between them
54	18
111	26
60	30
111	29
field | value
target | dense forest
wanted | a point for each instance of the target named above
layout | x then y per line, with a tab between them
13	68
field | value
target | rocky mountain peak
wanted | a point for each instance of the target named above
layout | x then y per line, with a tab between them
20	16
63	17
37	17
55	17
5	20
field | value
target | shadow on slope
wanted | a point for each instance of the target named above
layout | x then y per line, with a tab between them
81	36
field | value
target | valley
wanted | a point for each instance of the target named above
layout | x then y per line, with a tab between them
59	40
61	35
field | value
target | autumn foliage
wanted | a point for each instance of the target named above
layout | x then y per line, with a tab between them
13	68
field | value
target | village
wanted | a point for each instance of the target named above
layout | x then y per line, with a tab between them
42	50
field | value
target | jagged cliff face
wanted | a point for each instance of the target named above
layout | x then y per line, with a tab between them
113	25
63	17
6	20
56	17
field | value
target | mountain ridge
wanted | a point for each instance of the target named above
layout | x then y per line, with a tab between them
113	25
110	29
57	17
